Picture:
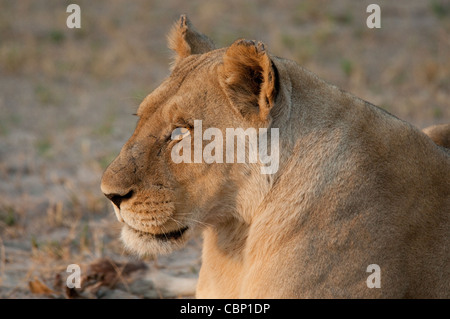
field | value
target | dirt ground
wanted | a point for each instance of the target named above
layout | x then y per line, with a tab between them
67	97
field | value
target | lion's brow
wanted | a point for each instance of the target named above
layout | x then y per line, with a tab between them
150	105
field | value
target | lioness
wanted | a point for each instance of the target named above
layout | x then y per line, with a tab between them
356	186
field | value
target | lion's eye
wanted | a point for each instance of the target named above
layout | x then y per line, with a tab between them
179	133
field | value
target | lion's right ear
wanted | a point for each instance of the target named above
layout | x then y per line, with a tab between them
184	40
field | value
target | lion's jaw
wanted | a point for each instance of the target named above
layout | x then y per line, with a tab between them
151	228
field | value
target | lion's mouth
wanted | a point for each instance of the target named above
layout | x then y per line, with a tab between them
172	235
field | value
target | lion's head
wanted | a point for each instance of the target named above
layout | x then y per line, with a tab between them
160	201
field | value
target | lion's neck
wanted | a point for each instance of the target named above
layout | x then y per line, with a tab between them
226	244
224	240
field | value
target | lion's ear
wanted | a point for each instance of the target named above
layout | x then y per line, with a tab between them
184	40
249	78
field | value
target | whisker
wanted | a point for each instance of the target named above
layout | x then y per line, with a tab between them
187	217
199	222
164	231
176	221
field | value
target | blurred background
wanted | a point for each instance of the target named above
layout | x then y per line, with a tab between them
67	97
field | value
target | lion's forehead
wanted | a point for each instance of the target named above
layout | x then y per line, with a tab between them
153	101
177	98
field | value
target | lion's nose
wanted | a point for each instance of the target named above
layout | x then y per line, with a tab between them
117	199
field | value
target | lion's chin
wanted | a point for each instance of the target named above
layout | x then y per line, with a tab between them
144	244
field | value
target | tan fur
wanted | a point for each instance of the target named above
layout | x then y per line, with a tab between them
440	134
355	186
185	40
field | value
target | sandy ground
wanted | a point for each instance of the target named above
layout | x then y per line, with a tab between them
67	97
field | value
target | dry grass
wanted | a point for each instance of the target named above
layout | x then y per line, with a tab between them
66	99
